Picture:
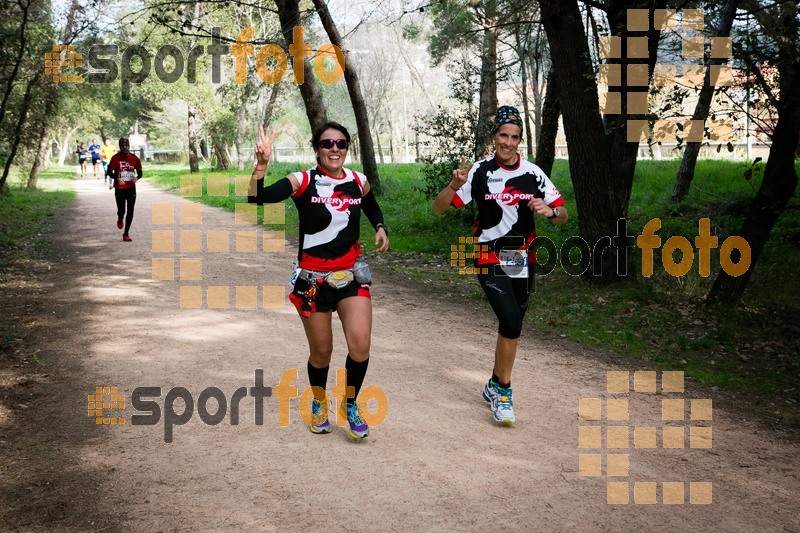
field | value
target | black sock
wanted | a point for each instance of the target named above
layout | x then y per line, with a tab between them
318	377
355	376
504	385
495	379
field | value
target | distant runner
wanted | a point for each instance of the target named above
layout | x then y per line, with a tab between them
107	151
125	170
94	149
81	151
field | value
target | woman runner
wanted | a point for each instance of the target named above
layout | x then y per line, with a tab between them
331	276
508	191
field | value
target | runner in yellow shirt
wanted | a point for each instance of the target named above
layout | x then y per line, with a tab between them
107	151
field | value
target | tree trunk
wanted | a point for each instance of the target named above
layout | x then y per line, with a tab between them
39	161
536	75
221	153
392	153
23	114
590	166
50	95
525	108
194	164
537	112
416	145
416	77
683	180
624	153
269	109
289	15
380	148
546	141
240	134
777	188
25	6
488	87
356	98
63	147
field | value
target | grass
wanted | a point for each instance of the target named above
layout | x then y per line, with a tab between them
659	321
26	219
25	216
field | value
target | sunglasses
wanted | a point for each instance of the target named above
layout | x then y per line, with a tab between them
341	144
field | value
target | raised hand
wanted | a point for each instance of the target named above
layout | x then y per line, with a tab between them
460	175
263	149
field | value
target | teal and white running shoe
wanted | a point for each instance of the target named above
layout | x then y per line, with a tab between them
503	406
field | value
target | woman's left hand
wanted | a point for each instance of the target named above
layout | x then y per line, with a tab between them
383	239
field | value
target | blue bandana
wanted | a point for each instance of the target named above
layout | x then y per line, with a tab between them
507	115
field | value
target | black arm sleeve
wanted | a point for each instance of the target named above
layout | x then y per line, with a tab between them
371	208
277	192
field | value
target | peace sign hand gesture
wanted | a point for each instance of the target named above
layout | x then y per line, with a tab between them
263	149
460	175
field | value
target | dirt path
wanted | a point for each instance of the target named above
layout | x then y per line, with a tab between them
436	462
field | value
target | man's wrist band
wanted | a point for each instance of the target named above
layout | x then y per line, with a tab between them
380	225
451	186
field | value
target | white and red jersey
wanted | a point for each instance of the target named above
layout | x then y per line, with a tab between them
330	218
126	167
501	194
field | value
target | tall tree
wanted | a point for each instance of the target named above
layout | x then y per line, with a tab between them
546	141
623	152
683	181
602	160
52	97
191	20
780	22
289	14
356	98
590	164
487	101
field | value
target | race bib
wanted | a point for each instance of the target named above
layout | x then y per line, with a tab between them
126	175
514	263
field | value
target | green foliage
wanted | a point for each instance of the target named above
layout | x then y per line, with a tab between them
26	217
451	131
454	25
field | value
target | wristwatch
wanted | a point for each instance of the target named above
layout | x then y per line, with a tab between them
382	225
555	213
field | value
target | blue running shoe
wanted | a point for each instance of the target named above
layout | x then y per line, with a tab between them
503	407
358	428
490	391
319	417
